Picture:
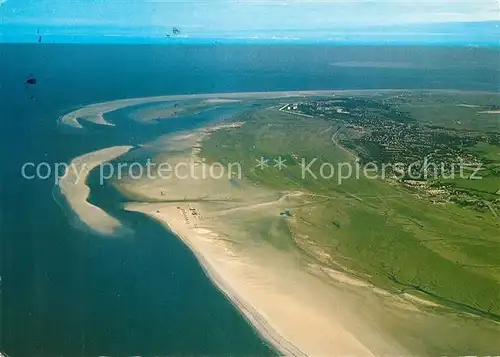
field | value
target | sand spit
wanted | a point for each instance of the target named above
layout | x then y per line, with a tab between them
99	109
490	112
222	100
76	192
468	105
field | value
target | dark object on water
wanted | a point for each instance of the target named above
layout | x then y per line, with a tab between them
176	31
39	36
30	80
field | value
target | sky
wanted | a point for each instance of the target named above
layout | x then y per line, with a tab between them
272	19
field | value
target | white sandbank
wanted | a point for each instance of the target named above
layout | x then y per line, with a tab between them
74	188
468	105
490	112
222	100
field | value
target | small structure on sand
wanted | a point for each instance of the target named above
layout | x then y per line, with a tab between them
286	213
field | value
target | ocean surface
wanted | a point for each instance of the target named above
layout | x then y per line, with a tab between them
67	292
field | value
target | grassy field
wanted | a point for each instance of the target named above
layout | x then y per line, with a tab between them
487	151
486	183
455	110
379	231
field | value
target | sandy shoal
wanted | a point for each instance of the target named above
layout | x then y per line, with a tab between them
222	100
74	188
490	112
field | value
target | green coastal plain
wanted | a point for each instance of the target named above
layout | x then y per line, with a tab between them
434	234
378	210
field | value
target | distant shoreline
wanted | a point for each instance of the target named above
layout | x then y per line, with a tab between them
94	112
247	41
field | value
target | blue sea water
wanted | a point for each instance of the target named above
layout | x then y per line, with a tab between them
66	292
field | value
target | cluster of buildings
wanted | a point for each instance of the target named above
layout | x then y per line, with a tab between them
379	132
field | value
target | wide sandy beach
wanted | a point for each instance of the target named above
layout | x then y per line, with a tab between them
296	311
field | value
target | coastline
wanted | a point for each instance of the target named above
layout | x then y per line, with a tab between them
258	290
250	313
95	112
298	313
